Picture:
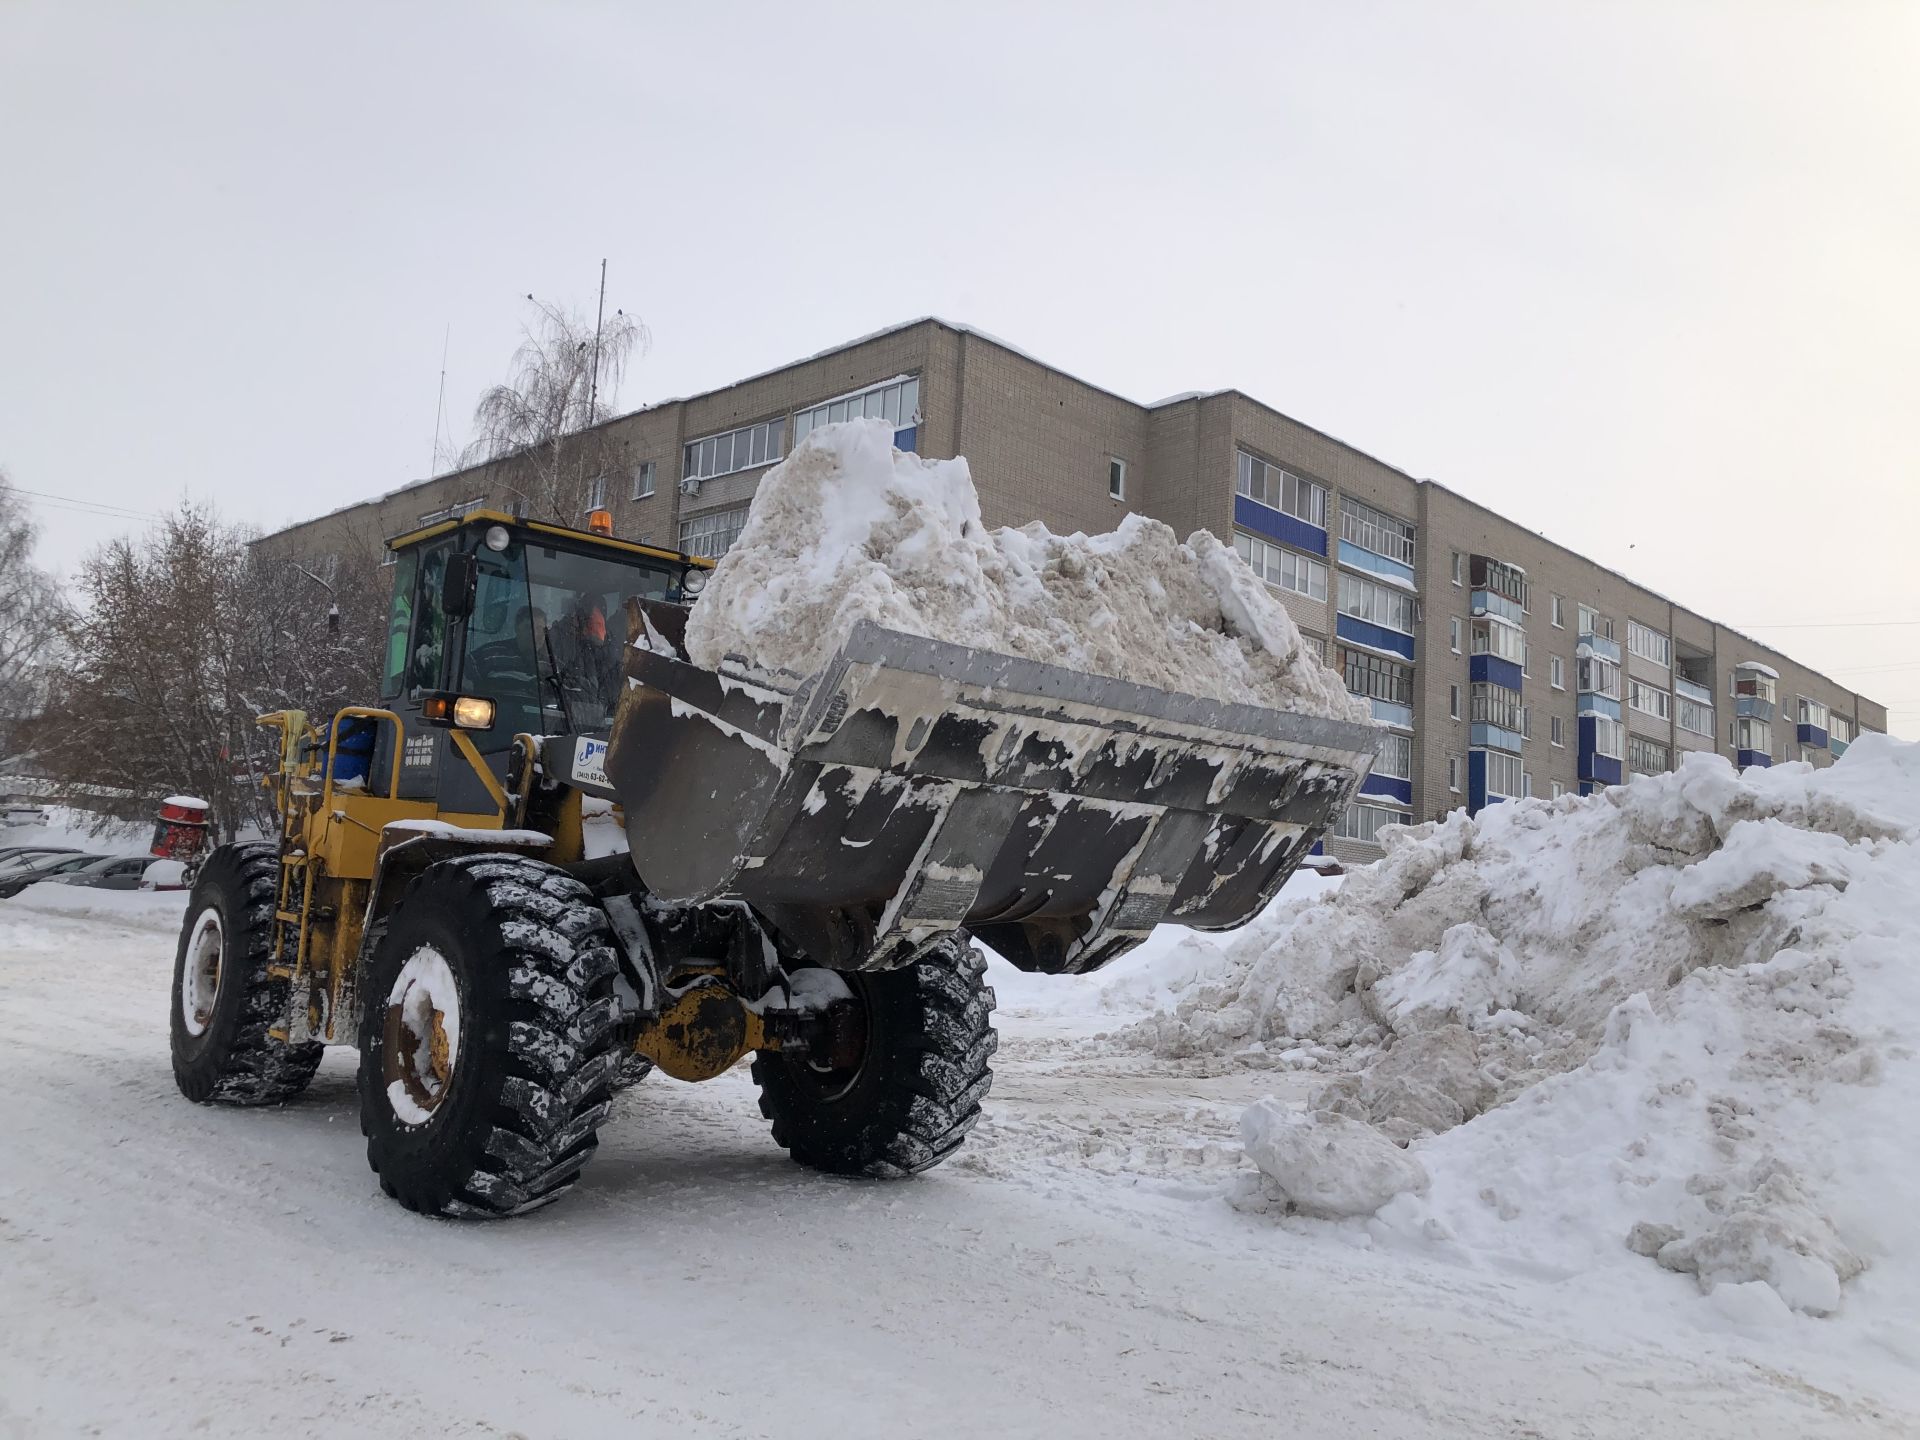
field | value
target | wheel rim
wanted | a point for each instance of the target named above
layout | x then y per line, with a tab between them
422	1036
830	1082
200	975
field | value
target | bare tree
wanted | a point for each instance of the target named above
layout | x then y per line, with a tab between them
538	427
29	617
179	641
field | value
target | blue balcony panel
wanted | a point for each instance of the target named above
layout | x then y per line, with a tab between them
1354	558
1388	788
1478	797
1590	703
1838	747
1600	645
1753	706
1374	637
1388	713
1265	520
1492	670
1813	735
1494	738
1743	758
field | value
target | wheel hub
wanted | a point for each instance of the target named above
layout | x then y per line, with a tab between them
422	1036
200	976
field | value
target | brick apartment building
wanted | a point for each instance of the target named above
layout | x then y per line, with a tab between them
1505	665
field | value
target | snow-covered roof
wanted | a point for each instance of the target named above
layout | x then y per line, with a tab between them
1766	670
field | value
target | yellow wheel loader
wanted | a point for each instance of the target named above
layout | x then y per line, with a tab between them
557	854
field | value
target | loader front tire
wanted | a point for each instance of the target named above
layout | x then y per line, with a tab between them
915	1092
225	1003
487	1037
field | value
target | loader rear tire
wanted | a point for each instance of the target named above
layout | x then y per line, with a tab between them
225	1003
916	1091
487	1037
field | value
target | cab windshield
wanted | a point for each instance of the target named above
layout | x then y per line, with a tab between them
548	637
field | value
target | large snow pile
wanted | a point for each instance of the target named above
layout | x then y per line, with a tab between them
848	528
1674	1020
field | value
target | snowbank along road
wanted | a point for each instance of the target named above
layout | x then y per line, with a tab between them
1103	1258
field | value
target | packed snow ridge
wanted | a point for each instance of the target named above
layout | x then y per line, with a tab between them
847	528
1674	1020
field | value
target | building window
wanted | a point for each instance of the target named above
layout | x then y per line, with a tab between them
1556	730
1365	822
1453	701
1376	604
1840	729
1526	657
1812	712
1267	484
1647	757
1649	644
1493	637
1691	715
1559	613
1756	684
1526	784
1315	643
1459	568
1395	756
1558	789
711	535
895	401
1750	734
1503	774
1556	672
1285	569
1116	479
1375	531
1526	722
1592	622
643	480
1503	581
520	508
1376	678
1594	676
1453	634
736	450
1453	772
1496	705
597	493
1648	699
1607	736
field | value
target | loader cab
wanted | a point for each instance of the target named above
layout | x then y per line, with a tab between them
514	627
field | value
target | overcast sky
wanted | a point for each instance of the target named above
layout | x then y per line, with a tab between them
1645	278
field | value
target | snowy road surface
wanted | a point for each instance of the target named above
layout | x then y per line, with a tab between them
167	1269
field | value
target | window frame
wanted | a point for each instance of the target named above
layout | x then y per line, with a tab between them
905	394
696	457
1116	478
1556	672
1255	547
1372	596
1558	612
1376	531
1653	646
1250	473
643	480
1638	688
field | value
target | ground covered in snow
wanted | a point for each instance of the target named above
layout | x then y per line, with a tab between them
848	528
1089	1264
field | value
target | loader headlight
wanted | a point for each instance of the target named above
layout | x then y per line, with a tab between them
693	582
463	712
497	537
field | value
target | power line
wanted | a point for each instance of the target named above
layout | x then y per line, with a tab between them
94	506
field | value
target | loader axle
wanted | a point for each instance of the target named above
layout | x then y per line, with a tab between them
705	1028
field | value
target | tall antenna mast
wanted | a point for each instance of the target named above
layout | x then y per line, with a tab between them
599	315
439	414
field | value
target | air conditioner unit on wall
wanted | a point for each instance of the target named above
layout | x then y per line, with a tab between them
690	485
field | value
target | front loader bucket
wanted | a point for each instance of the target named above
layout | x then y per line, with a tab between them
913	787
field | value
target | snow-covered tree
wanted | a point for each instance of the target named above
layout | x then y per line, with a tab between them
29	617
178	640
537	427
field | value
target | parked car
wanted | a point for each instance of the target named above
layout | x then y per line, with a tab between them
106	872
12	857
12	882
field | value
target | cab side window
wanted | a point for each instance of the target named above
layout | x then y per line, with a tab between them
429	624
406	572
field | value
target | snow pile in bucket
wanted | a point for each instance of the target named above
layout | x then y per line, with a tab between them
1675	1020
847	528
